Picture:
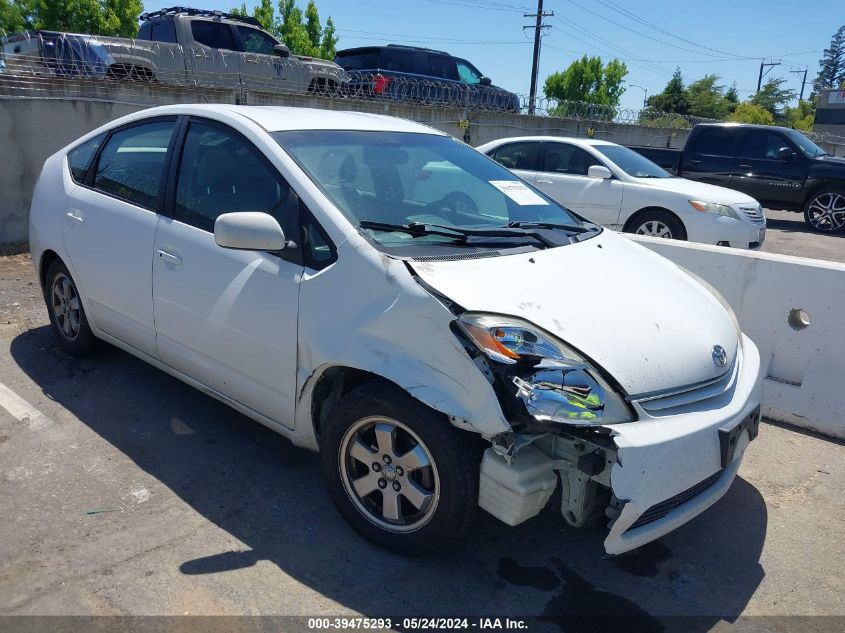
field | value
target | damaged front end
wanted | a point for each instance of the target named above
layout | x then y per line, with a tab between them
558	403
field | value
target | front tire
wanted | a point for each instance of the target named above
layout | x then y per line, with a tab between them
398	472
657	223
66	312
825	211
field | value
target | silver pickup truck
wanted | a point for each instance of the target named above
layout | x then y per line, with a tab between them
177	46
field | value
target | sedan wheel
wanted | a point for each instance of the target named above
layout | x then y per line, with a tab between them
389	475
826	212
67	314
66	306
654	228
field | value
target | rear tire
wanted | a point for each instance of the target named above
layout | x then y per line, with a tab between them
66	312
398	472
825	211
658	223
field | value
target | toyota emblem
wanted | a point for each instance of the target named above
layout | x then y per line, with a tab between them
720	356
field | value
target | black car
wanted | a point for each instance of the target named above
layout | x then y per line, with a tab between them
778	166
423	75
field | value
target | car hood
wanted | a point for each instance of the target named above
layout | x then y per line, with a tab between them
698	190
632	312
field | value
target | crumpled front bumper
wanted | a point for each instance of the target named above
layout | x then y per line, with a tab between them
672	466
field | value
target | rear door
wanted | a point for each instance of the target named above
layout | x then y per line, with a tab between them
563	176
711	156
109	228
521	157
763	175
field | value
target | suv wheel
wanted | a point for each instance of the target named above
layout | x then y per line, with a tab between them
825	211
399	473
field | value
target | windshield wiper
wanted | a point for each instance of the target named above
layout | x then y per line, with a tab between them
420	228
523	224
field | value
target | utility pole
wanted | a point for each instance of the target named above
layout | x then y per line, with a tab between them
803	81
764	64
538	29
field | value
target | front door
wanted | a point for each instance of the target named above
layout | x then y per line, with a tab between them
563	176
112	216
763	174
227	318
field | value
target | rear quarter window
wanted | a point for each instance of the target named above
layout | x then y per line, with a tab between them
80	157
358	61
715	141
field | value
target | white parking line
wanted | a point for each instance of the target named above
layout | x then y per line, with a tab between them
21	409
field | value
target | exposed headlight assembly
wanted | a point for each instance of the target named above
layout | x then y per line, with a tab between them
712	207
553	381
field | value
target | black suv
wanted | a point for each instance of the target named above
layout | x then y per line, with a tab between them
409	73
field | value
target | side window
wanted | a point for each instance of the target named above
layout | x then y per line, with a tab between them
567	159
715	141
131	164
317	248
213	34
397	61
522	155
441	67
762	144
144	32
466	73
220	172
164	31
254	41
79	158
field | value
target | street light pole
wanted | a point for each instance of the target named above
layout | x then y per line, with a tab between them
645	94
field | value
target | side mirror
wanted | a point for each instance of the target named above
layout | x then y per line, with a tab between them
599	171
249	231
281	50
485	81
784	153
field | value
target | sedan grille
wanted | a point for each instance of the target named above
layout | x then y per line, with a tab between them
660	510
755	214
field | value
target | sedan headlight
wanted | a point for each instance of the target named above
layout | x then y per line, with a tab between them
553	381
712	207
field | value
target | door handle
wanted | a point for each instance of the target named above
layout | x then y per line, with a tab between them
75	215
169	258
540	181
695	162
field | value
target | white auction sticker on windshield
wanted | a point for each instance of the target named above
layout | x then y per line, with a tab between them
518	192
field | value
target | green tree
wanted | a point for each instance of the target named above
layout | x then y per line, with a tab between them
673	98
301	32
772	96
707	99
801	117
587	79
832	64
732	95
98	17
747	112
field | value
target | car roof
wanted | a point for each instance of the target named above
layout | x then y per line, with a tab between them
281	118
393	47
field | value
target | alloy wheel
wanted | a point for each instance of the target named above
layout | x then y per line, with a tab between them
654	228
389	474
65	304
827	212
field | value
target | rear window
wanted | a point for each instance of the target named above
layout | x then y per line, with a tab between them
213	34
715	141
357	61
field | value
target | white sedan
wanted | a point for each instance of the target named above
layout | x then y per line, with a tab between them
379	292
617	187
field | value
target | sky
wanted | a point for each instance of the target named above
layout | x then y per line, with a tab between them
653	37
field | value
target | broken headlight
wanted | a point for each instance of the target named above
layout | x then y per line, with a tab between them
553	381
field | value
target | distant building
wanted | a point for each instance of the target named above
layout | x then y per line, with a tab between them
830	112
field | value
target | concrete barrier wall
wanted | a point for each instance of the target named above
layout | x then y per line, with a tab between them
803	367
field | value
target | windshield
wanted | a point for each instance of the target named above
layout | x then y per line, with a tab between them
806	145
631	163
406	179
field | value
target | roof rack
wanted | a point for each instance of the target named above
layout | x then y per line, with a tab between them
200	12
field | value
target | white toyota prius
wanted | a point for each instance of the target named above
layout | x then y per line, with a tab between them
446	336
